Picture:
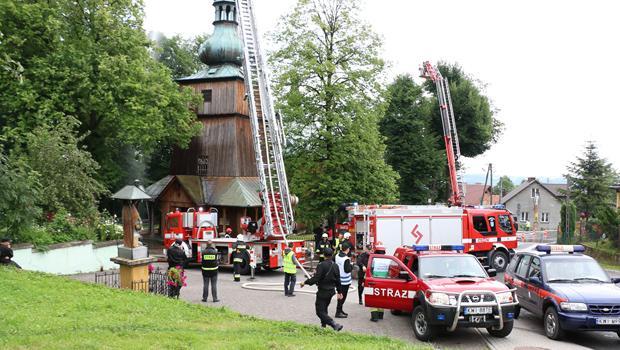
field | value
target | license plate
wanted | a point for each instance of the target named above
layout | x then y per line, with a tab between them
481	310
477	319
605	321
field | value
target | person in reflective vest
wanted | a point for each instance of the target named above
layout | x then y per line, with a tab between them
290	270
382	270
345	268
337	242
210	265
238	255
320	247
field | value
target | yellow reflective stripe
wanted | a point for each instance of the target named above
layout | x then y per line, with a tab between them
237	260
209	257
209	268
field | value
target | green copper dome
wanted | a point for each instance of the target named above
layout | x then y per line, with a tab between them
224	46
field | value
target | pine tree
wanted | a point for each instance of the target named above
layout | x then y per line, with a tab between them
589	179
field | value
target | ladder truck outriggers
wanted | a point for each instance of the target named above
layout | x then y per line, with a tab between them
489	233
265	239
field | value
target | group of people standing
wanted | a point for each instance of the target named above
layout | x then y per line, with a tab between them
333	276
178	256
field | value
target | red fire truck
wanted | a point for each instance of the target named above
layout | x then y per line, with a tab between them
442	288
199	226
489	234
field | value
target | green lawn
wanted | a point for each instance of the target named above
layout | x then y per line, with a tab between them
605	246
40	311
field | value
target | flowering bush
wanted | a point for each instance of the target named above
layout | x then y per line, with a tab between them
176	277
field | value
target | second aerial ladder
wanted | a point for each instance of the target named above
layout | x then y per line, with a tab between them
451	138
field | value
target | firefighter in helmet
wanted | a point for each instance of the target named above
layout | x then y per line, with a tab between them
378	270
239	251
321	245
228	232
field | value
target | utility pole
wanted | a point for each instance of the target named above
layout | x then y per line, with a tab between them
491	170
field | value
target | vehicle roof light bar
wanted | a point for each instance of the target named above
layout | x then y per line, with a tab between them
560	248
437	247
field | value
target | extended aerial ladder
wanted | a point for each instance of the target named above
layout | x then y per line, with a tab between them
450	136
267	132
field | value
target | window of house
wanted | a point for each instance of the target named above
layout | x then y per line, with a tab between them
525	216
202	165
544	217
207	95
480	224
535	192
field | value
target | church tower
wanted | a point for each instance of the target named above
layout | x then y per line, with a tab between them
218	169
225	147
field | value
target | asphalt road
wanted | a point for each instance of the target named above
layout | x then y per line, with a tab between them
242	297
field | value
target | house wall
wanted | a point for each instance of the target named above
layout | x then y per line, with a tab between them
547	203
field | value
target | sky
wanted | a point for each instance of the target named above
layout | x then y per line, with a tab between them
550	67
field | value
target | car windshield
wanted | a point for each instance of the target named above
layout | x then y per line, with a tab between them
450	266
574	270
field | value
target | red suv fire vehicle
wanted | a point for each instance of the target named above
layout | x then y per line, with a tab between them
442	287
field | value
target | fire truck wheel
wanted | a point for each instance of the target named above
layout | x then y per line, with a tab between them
499	261
501	333
419	322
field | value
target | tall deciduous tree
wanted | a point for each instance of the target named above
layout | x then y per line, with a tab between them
66	171
589	179
89	59
504	185
20	192
478	129
411	143
179	55
328	84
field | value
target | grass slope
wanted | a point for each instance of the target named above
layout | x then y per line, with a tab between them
40	311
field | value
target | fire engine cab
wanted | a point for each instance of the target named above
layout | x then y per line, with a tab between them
442	287
489	234
199	226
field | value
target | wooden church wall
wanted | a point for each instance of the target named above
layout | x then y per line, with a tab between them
225	143
227	97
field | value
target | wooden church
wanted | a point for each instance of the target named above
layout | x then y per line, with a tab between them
218	169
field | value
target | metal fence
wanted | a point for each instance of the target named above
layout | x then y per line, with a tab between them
108	278
156	284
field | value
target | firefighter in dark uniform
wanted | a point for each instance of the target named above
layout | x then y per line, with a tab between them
239	251
362	263
327	279
321	246
210	265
